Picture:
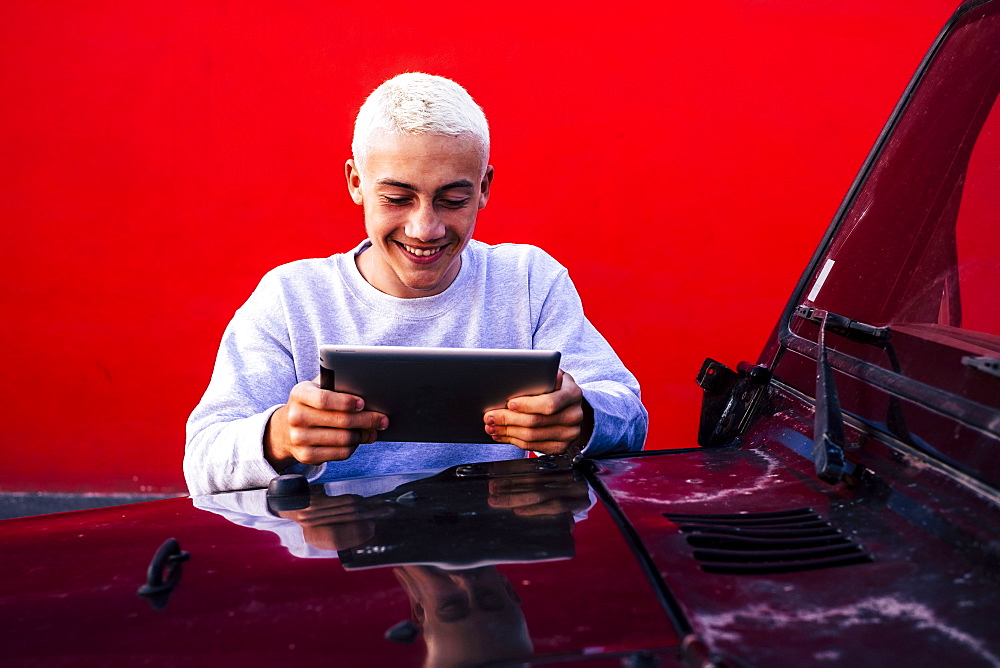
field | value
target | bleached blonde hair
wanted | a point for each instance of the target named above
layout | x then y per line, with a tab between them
418	103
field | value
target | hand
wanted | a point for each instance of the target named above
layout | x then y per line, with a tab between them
318	425
559	422
541	494
337	522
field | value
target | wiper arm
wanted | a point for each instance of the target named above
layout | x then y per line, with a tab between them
828	429
842	325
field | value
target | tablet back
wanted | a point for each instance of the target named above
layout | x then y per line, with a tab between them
436	395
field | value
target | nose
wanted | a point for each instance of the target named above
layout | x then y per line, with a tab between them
424	224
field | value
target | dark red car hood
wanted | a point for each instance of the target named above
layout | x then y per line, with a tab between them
631	582
70	592
771	566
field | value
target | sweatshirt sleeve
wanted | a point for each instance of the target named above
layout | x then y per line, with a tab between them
253	374
620	419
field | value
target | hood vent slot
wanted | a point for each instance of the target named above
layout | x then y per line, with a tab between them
783	541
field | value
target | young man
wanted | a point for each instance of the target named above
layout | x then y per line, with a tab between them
420	171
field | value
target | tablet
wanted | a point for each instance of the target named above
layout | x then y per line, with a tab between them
436	395
420	531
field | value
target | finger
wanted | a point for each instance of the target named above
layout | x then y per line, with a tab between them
306	437
502	421
541	404
321	513
537	438
556	432
566	394
559	379
342	515
303	416
528	439
335	537
315	446
544	447
320	454
321	503
516	500
311	394
549	507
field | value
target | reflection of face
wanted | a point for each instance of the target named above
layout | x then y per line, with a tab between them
421	195
472	615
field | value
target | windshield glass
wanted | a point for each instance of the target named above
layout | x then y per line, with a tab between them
916	251
919	245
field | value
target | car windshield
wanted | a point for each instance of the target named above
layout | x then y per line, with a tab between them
918	246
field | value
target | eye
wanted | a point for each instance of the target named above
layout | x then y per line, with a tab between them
395	201
489	599
457	203
453	608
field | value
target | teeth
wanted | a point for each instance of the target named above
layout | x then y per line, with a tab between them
421	252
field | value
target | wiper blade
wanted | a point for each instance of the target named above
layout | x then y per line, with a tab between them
828	429
842	325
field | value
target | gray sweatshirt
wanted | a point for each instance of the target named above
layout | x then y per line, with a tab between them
505	296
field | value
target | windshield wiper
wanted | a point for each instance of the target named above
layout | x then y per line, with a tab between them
844	326
828	429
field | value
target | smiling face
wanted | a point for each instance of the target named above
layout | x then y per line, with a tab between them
421	194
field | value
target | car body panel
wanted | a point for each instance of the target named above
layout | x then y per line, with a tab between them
242	594
842	510
937	603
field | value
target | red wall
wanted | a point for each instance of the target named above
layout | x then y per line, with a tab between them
682	159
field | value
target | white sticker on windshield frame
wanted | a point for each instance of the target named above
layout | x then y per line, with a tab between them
820	280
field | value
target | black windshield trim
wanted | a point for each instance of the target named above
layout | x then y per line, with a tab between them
801	288
971	414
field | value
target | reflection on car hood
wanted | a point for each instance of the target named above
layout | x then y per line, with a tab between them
660	555
475	563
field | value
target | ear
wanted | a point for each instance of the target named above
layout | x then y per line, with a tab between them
353	175
417	612
484	186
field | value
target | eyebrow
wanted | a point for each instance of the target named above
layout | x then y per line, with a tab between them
461	183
